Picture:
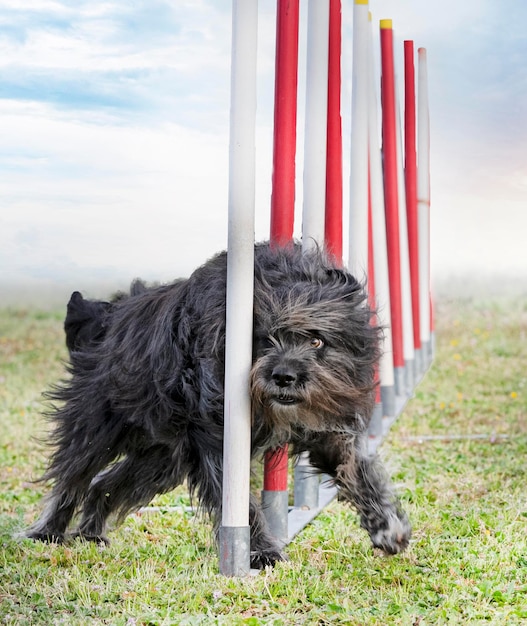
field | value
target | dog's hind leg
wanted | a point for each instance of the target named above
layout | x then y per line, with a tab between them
363	481
67	494
61	506
84	448
128	485
52	524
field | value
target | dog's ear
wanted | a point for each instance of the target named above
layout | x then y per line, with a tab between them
76	303
138	287
76	298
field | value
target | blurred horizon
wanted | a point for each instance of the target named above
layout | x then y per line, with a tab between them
49	295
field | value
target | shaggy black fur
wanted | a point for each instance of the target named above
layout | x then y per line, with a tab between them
143	409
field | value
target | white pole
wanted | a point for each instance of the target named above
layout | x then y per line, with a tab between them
314	182
234	531
406	286
380	252
358	215
423	203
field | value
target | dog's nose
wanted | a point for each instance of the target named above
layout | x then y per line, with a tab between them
283	377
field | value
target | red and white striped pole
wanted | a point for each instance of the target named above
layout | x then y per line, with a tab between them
423	204
274	494
389	144
234	535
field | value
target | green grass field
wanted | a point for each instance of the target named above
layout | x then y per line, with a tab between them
458	454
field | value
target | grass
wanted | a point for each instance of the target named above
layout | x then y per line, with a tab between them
466	496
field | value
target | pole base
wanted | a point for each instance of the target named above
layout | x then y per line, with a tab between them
235	550
275	506
388	400
400	381
375	426
306	484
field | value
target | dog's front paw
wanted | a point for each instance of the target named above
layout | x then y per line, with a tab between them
396	536
260	560
100	539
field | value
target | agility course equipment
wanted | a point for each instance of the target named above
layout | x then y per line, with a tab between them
234	538
388	228
423	206
410	178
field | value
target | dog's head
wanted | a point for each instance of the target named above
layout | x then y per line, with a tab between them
315	348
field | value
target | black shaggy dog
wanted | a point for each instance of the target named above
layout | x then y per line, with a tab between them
143	409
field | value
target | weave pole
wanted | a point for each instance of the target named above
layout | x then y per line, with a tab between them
234	534
358	212
406	286
306	482
333	213
360	257
423	204
315	132
284	137
410	172
391	199
380	254
375	426
275	494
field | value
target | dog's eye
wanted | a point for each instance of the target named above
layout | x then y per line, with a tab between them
316	343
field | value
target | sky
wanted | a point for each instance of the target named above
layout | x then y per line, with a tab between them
114	124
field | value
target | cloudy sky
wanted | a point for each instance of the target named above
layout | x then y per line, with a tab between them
114	135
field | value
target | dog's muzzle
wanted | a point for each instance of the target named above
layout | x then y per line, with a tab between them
284	380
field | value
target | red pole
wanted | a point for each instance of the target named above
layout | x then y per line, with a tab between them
410	173
283	186
276	470
285	101
389	142
333	215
